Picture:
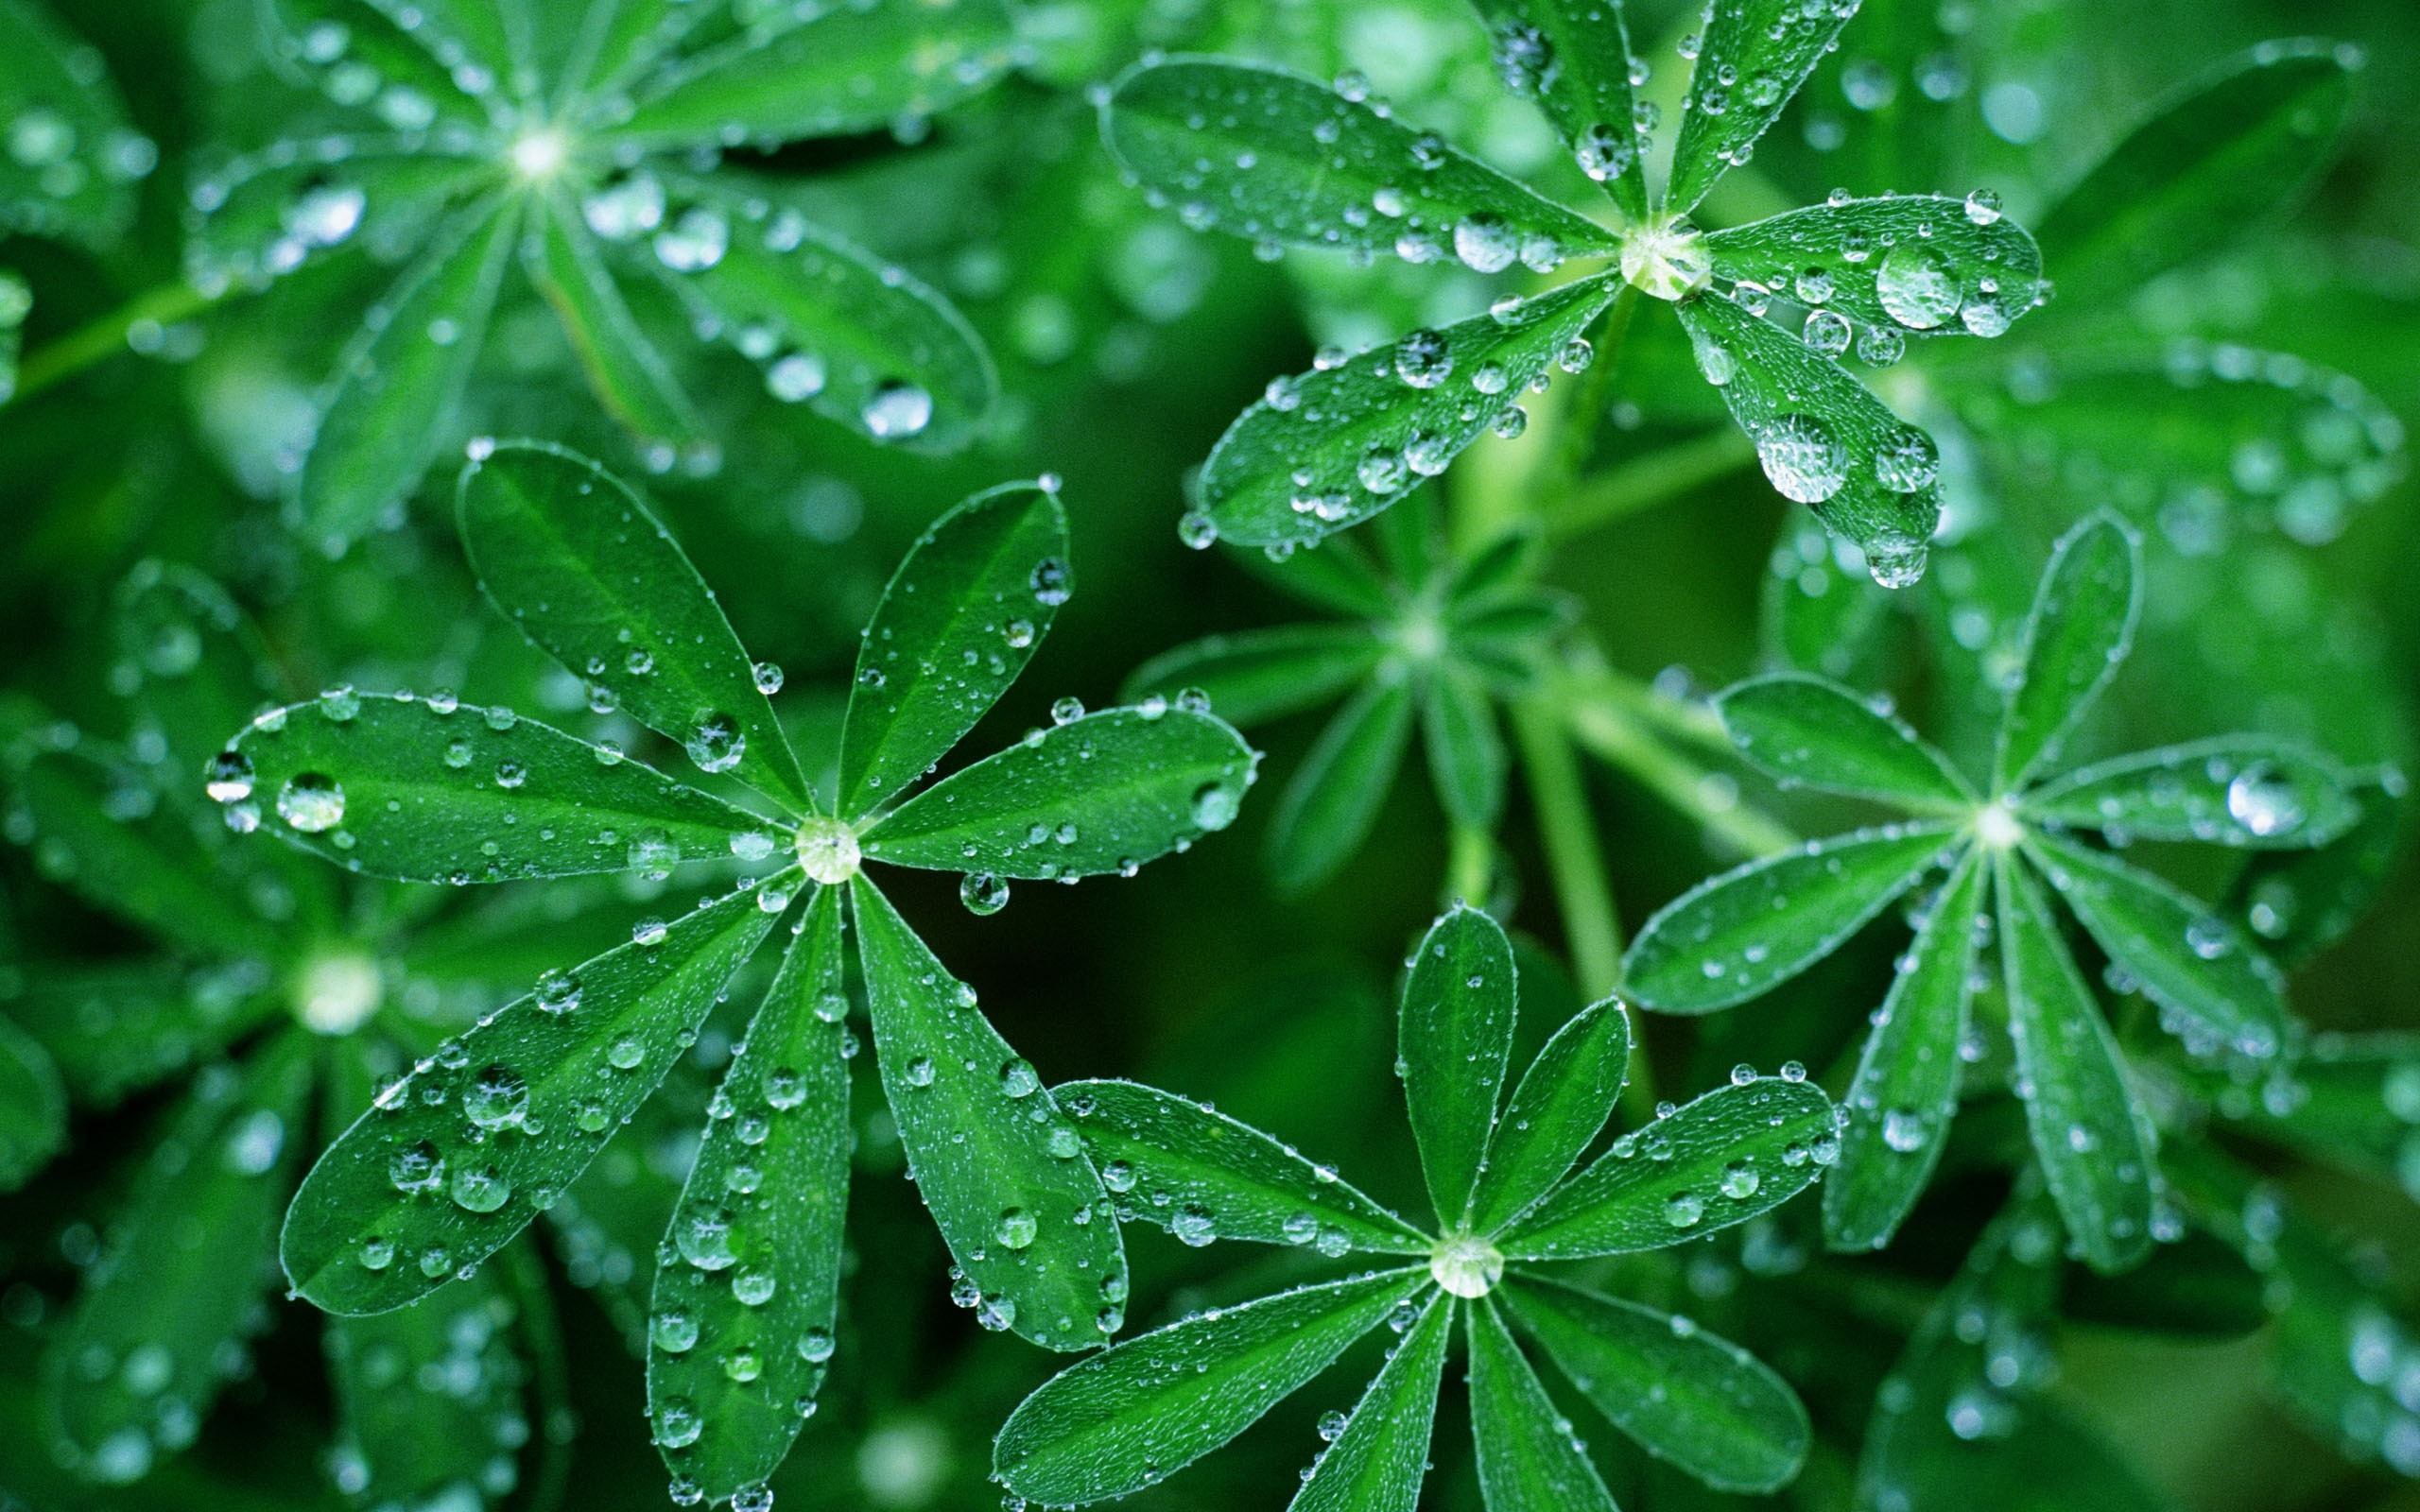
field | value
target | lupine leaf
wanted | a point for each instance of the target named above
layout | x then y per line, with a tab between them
836	73
863	342
1261	675
115	1029
1000	1166
1805	730
16	303
1133	1416
1465	750
2214	160
2191	961
361	55
2095	1143
2081	628
1822	437
959	620
1561	1102
185	1265
295	203
98	831
73	160
1906	1089
1908	262
757	1236
1208	1176
1455	1037
1333	797
2244	790
1735	937
198	666
1101	794
1343	428
397	789
1272	155
2299	902
1732	1153
574	557
1377	1463
1698	1401
33	1106
1528	1460
430	1397
629	375
1752	59
391	403
1343	581
573	1072
1575	57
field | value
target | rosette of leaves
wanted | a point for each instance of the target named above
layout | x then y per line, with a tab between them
458	1156
1433	640
2119	393
280	997
1131	1416
582	141
1283	160
1999	843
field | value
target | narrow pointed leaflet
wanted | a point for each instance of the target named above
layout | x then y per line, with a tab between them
1562	1101
1529	1458
1000	1166
1465	750
2081	628
741	1321
74	159
574	557
1750	60
1805	730
1376	1463
33	1106
1918	263
1574	57
2242	790
1266	674
1333	797
1455	1035
459	1156
628	372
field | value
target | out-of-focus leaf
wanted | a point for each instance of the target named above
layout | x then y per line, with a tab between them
629	375
1262	675
2081	628
1741	933
573	556
2194	1287
294	203
1333	797
33	1106
1465	750
1921	263
73	159
193	666
2298	903
1805	730
114	1029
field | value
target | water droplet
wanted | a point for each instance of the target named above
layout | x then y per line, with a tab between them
1904	1130
479	1189
311	802
1801	456
1682	1209
896	409
498	1097
1423	360
716	743
416	1168
1915	286
2263	801
1017	1229
984	893
1050	582
1214	805
230	777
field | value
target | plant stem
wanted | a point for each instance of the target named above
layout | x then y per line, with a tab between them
1645	482
1583	893
1469	866
103	339
1611	729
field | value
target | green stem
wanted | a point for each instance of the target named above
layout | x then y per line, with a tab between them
1583	893
103	339
1587	409
1614	732
1470	867
1645	482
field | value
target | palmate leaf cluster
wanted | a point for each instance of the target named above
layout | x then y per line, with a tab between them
341	1030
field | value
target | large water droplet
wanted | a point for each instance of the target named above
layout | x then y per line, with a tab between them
1801	456
1916	287
311	802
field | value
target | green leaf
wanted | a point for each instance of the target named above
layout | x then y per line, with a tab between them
2222	155
195	665
114	1029
1752	59
1465	750
1822	616
1340	580
435	791
1737	936
1802	729
860	339
1101	794
1272	155
362	54
2215	989
391	403
1822	437
1698	1401
1574	56
838	72
102	833
1262	675
1207	1176
1377	1463
182	1278
1732	1153
2094	1141
629	375
455	1159
2081	628
1906	1089
1334	797
742	1320
1000	1165
301	201
959	621
16	303
574	557
73	158
2298	903
1333	432
1135	1415
33	1107
2242	790
1920	263
1529	1459
1562	1101
1455	1037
